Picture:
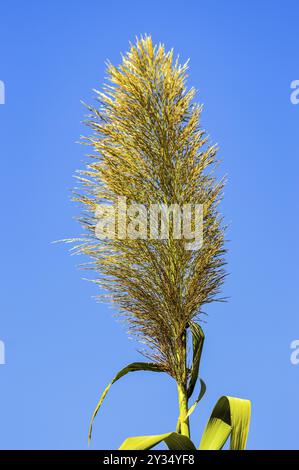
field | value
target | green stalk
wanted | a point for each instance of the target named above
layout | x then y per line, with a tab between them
183	407
183	422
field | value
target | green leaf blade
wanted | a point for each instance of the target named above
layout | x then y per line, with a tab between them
133	367
197	345
230	418
202	391
173	440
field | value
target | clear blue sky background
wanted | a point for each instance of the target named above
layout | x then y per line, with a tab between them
61	347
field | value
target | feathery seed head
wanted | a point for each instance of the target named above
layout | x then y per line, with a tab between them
149	148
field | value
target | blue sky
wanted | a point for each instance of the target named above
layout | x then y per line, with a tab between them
61	347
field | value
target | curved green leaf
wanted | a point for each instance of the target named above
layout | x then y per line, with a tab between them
203	389
135	366
173	440
197	345
230	417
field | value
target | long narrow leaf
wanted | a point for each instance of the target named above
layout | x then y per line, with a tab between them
230	417
197	345
173	440
203	388
135	366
